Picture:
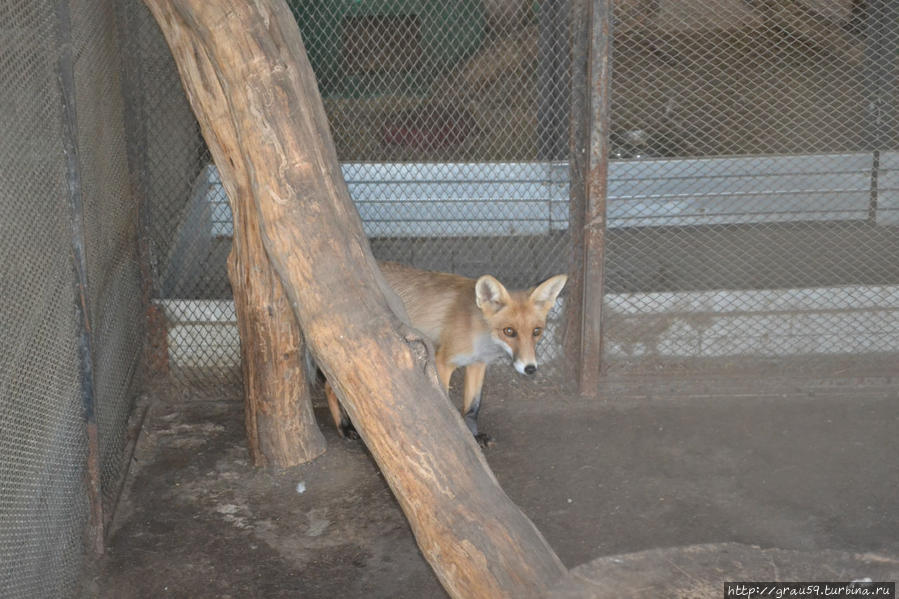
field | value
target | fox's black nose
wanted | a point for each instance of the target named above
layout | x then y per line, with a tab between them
530	369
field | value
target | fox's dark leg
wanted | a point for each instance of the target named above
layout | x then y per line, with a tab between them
345	428
471	404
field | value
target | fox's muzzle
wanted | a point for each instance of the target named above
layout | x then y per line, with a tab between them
524	368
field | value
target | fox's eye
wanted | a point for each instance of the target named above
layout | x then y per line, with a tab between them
537	332
509	332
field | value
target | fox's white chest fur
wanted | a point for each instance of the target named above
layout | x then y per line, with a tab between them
485	349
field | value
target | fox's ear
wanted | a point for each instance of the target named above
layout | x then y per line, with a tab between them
545	293
490	294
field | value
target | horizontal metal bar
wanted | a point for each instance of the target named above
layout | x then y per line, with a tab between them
462	199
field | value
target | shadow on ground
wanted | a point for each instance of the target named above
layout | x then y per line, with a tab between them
812	469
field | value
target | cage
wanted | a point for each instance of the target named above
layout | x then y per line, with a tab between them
752	206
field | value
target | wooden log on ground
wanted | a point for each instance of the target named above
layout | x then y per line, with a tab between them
251	85
700	571
280	424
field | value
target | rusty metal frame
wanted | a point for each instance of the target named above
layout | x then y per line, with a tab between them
591	22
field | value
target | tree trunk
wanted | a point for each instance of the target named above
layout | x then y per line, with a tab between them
281	428
251	85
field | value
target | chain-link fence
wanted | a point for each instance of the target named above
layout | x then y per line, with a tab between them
752	189
753	199
64	192
110	217
451	124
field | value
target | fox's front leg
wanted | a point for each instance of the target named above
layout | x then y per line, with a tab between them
471	400
445	369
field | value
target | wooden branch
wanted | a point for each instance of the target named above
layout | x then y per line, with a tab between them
281	428
250	83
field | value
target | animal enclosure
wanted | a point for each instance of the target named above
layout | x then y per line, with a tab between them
752	191
750	222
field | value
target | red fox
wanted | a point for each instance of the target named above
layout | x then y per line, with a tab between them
471	323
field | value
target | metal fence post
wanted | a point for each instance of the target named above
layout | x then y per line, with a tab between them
880	83
66	80
591	78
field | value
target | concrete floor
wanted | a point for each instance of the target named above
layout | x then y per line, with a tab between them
809	466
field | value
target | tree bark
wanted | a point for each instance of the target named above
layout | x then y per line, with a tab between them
280	424
281	427
251	85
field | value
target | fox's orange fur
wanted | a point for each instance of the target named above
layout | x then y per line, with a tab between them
471	323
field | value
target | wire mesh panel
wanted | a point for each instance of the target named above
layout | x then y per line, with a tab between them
752	198
451	124
753	205
463	107
451	119
192	334
111	227
43	504
43	440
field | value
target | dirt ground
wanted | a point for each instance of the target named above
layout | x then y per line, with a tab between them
808	466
